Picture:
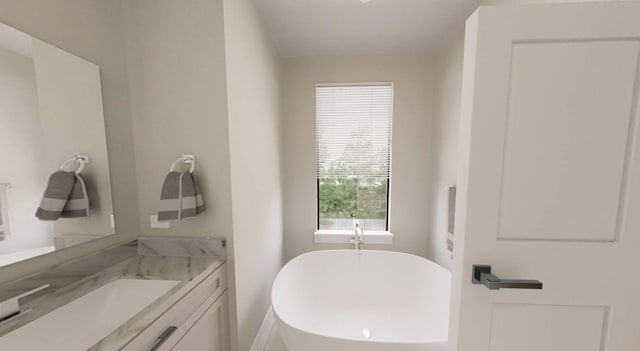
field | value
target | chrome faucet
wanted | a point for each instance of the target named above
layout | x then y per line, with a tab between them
358	239
11	306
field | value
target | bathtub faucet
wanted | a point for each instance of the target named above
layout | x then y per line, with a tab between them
358	239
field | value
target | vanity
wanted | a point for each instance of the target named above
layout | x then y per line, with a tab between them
151	294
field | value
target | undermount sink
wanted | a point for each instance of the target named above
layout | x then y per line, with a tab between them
88	319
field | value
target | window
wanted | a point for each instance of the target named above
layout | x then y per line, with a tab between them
353	155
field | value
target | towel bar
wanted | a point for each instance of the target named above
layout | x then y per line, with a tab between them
186	159
81	160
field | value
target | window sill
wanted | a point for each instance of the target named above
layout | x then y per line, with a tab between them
345	236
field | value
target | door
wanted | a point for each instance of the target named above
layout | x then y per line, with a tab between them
549	179
210	332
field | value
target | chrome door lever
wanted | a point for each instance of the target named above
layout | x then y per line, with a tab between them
482	275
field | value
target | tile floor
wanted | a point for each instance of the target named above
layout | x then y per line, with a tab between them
275	342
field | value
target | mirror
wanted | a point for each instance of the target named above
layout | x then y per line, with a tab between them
50	117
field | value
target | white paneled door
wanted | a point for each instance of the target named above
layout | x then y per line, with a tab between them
549	182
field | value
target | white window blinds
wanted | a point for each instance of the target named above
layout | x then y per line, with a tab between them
353	130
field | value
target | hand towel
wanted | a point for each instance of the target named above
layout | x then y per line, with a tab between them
169	207
65	196
55	196
180	197
4	213
77	204
200	206
451	219
192	203
2	221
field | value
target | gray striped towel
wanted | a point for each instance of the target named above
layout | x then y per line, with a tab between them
65	196
78	203
2	232
192	200
451	219
180	197
3	211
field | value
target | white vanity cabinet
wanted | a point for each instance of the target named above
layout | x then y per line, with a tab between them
197	322
209	331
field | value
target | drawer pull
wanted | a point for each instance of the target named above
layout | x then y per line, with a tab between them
163	337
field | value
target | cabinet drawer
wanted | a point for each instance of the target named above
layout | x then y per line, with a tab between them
205	330
169	327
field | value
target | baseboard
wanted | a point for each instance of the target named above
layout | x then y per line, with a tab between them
260	342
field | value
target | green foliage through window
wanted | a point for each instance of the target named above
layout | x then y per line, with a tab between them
339	198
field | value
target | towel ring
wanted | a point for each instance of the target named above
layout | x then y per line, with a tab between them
185	159
81	160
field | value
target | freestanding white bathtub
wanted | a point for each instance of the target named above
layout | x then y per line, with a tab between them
347	300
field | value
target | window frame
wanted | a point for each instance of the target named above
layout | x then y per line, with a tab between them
344	235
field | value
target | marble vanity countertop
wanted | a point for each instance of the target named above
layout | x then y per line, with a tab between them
71	280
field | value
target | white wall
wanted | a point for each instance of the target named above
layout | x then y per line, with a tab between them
412	77
211	87
22	152
175	60
91	29
448	68
253	95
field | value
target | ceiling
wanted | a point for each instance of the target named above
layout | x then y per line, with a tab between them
15	40
311	28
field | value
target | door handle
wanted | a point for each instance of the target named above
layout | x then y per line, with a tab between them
482	275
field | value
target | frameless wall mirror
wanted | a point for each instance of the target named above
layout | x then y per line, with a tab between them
53	151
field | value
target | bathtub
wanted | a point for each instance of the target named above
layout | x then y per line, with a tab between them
347	300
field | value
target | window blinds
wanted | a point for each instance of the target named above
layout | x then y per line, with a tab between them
353	130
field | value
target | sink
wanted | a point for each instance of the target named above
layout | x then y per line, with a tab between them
88	319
